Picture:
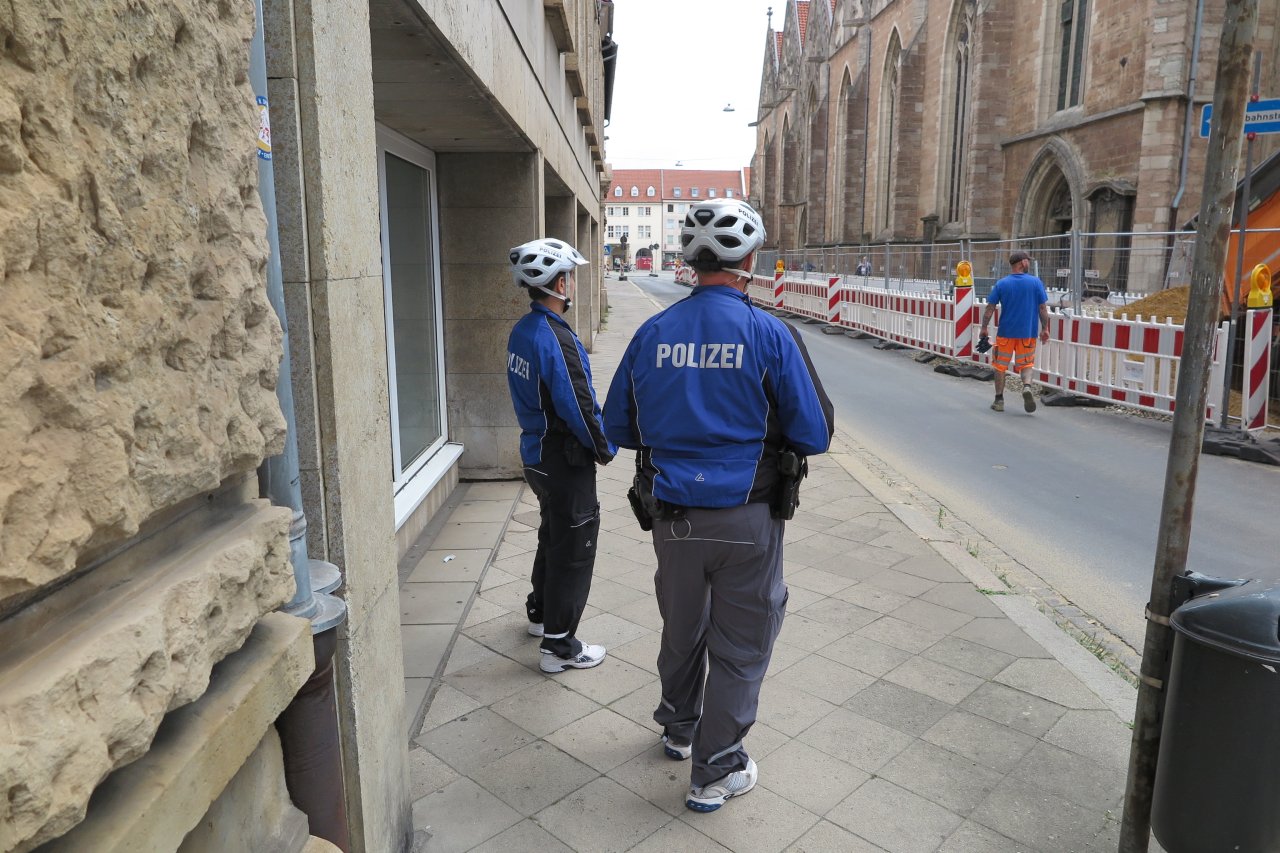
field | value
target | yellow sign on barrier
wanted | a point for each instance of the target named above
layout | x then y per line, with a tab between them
964	274
1260	287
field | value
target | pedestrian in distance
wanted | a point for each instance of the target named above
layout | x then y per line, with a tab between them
561	441
1024	316
721	403
863	267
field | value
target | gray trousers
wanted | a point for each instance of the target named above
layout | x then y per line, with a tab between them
720	591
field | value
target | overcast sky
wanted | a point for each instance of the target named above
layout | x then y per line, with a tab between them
679	63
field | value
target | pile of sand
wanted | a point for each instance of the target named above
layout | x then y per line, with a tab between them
1171	303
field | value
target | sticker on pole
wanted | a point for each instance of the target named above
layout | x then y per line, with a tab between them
264	129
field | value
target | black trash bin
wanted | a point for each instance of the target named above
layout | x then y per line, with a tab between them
1217	782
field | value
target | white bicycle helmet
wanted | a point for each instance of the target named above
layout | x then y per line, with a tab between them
729	228
538	262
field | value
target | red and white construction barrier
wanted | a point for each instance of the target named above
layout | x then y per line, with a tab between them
963	315
1122	361
817	299
922	320
1257	366
1130	362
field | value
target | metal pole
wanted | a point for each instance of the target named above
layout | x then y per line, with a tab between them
1240	24
1234	317
1076	255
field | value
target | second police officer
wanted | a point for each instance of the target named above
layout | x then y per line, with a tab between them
715	394
561	440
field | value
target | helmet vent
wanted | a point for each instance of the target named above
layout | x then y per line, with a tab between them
703	216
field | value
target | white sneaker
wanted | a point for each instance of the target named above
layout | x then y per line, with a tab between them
708	798
589	656
535	629
677	749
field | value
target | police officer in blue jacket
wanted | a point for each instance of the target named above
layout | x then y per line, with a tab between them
713	393
561	440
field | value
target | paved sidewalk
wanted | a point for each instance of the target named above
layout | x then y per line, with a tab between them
912	704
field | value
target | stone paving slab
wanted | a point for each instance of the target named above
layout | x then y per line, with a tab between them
912	704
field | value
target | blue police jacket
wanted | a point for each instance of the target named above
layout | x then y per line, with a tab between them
550	381
709	391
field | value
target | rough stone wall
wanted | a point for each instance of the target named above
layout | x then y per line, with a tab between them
86	684
138	352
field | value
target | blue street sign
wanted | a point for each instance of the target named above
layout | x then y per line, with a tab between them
1259	117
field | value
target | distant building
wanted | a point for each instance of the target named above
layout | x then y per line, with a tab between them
935	120
674	190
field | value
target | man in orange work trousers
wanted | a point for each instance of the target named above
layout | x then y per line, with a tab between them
1024	316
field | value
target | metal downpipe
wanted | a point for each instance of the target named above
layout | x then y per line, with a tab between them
309	726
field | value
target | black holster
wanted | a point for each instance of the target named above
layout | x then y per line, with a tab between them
637	506
645	505
792	468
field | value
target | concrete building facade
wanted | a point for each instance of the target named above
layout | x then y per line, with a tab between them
935	120
145	659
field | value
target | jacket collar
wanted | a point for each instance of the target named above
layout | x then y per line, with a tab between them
723	290
537	307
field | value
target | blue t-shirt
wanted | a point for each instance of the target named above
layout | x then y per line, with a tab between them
1019	296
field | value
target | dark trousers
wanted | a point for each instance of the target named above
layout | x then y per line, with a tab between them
565	483
720	591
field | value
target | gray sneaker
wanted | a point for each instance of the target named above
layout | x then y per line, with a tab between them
589	656
535	629
708	798
998	405
1028	400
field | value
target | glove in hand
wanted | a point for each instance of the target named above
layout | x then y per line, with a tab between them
984	344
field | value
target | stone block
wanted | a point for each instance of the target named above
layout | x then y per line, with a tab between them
335	79
254	811
153	803
88	677
478	347
138	351
371	714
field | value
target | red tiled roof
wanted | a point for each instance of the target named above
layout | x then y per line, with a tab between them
802	11
746	181
704	179
777	45
640	178
664	182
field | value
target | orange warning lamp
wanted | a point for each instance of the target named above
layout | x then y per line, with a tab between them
964	274
1260	287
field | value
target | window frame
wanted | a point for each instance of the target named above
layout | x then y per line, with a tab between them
411	484
1071	55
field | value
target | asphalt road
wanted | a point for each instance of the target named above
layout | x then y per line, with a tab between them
1073	494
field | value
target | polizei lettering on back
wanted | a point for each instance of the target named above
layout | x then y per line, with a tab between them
701	355
517	365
